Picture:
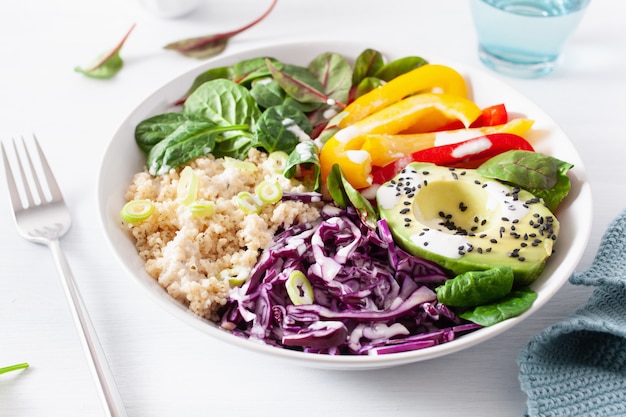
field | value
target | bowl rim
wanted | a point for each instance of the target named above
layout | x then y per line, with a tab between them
578	233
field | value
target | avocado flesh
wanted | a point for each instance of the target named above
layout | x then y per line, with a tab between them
466	222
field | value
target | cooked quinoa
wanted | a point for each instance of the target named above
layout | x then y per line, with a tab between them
193	257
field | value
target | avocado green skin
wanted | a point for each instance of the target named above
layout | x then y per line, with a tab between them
523	242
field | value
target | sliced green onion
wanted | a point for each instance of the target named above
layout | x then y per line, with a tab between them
278	161
14	367
187	190
248	203
237	164
299	288
236	276
202	208
136	211
269	191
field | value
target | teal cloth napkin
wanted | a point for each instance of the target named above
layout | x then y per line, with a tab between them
578	367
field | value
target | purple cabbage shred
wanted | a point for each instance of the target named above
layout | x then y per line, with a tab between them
370	297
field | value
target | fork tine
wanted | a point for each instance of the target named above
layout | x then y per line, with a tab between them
20	166
13	192
53	187
41	195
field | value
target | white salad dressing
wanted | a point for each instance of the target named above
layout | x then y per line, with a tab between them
293	127
472	148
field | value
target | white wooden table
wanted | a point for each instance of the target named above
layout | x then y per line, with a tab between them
164	368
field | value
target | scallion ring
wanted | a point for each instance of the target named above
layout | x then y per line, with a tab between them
136	211
241	165
277	161
202	208
248	203
187	190
299	288
269	191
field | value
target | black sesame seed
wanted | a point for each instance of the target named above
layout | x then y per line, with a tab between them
405	210
493	240
521	259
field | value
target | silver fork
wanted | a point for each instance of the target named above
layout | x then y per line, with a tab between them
42	217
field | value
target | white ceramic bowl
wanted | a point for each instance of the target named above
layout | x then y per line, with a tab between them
123	159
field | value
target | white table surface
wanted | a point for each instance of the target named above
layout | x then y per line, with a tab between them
165	368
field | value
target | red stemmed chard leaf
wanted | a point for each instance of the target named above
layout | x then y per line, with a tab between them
108	64
203	47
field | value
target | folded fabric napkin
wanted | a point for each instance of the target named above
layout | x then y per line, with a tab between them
578	367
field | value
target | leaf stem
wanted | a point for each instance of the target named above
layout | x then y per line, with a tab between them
112	52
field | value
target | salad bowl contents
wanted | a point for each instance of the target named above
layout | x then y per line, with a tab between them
344	206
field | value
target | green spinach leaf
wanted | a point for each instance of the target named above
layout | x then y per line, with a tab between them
298	82
281	128
398	67
108	64
515	303
476	288
305	154
343	192
366	85
190	140
334	74
248	70
153	130
223	102
267	93
366	65
543	175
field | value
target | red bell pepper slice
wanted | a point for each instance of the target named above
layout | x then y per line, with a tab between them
490	116
467	154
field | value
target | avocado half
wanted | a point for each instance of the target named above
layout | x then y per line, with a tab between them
466	222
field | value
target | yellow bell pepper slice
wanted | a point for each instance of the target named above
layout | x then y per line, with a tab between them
385	148
345	147
422	79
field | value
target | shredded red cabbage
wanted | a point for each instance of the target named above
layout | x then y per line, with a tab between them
370	297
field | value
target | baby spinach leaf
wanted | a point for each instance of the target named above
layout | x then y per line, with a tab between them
366	65
335	187
399	67
207	46
236	147
108	64
248	70
267	93
153	130
208	75
190	140
525	168
554	196
366	85
223	102
281	128
335	75
476	288
543	175
305	154
298	82
343	193
515	303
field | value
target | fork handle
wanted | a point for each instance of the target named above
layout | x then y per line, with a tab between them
108	392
